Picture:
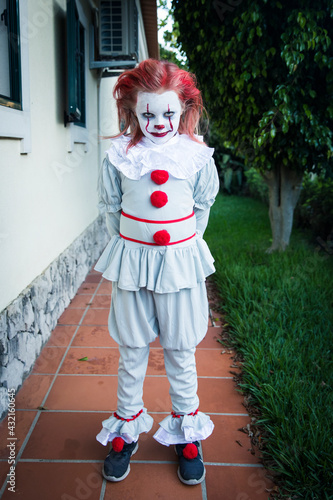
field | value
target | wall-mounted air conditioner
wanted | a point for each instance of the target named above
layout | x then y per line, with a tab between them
115	39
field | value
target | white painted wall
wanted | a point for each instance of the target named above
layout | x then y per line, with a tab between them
48	197
108	117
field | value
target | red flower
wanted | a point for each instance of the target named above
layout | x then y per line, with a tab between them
159	199
159	176
162	237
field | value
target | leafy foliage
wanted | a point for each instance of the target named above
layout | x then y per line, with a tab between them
171	56
171	50
266	72
256	186
315	209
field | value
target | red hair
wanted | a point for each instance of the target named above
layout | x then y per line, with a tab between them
152	75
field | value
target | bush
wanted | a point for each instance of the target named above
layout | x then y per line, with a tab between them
256	186
229	166
315	207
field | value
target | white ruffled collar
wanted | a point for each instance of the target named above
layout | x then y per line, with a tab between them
180	156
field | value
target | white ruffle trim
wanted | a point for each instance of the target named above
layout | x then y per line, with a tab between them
180	156
186	429
162	270
105	437
129	431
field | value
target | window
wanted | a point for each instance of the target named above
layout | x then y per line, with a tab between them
10	57
76	111
14	73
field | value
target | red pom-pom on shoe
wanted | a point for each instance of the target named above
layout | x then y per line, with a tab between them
190	451
159	199
162	237
118	444
159	176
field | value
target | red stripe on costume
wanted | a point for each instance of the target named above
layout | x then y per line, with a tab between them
157	221
155	244
128	419
177	415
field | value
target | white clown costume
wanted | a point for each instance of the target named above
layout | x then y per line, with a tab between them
157	199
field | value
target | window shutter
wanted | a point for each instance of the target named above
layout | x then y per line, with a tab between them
75	66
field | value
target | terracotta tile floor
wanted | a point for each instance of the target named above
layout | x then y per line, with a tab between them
61	404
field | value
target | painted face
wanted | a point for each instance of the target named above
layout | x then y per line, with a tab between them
158	115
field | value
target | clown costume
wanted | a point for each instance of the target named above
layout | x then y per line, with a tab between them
156	186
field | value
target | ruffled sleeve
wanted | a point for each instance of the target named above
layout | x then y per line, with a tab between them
109	188
206	187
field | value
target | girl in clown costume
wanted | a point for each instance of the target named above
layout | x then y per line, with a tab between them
156	186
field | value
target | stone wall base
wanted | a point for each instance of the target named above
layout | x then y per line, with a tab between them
26	324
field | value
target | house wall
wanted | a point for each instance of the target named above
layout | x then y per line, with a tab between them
47	196
50	229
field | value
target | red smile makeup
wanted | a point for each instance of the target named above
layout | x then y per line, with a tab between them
162	134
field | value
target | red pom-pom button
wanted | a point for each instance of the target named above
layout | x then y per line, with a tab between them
190	451
159	199
118	444
159	176
162	237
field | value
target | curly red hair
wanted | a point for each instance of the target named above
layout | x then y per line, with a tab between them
152	75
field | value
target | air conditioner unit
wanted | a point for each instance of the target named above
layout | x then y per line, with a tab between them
118	29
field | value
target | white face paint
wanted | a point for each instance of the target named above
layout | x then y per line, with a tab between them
158	115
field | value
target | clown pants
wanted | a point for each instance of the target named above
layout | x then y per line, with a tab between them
185	423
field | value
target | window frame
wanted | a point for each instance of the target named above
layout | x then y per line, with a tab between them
15	121
14	100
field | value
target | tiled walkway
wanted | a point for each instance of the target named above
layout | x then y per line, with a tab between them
61	404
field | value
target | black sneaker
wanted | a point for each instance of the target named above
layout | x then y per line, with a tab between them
191	468
117	463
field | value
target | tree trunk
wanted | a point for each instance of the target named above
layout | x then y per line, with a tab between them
284	187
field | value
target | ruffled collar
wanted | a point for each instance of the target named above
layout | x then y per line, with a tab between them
180	156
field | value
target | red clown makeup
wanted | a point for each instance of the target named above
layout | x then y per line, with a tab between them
158	115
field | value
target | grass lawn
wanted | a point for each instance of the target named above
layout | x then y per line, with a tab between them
279	308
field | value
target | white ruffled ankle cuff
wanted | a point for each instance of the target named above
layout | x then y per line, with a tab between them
105	437
128	431
186	429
